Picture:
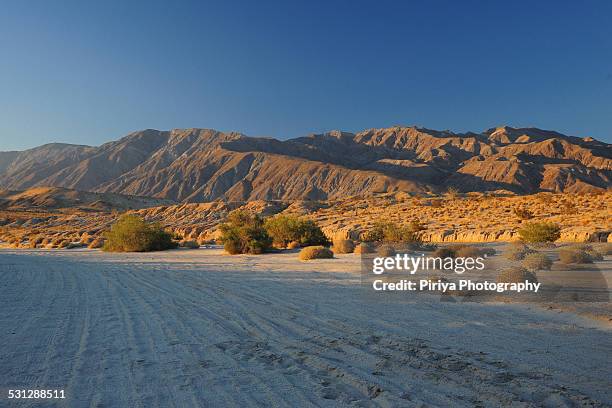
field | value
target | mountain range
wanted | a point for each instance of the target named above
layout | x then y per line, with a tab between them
196	165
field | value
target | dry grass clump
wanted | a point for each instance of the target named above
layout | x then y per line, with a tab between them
537	261
386	251
573	255
315	252
518	251
189	244
468	251
96	243
343	246
604	249
516	274
293	245
523	213
364	248
444	252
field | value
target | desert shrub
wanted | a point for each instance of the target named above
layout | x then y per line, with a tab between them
364	248
516	274
540	232
284	229
452	193
189	244
96	243
315	252
523	213
574	256
604	249
243	233
595	256
517	251
343	246
468	251
436	203
444	252
131	233
537	261
390	232
386	251
293	245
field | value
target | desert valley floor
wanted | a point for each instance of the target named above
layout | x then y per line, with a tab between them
199	328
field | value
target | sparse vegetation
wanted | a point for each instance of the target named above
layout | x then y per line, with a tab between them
343	246
574	256
452	193
517	251
189	244
132	234
284	229
364	248
315	252
293	245
516	274
604	249
243	233
389	232
537	261
523	213
444	252
386	251
469	251
540	232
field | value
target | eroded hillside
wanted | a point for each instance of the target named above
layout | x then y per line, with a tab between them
200	165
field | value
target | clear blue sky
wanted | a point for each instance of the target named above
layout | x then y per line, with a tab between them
92	71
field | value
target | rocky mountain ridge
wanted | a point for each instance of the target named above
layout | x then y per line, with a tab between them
198	165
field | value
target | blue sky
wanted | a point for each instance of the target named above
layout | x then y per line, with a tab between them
88	72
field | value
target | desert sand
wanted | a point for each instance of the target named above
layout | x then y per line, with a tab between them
200	328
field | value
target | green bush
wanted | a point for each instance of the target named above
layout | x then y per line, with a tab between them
284	229
315	252
537	261
244	233
540	232
392	233
132	234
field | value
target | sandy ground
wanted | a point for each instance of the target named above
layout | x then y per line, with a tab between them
198	328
